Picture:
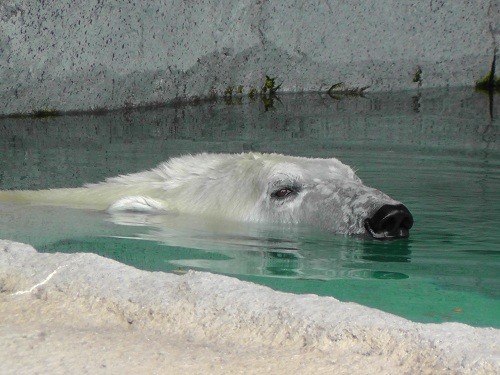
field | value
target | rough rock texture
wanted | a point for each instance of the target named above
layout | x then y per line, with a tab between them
84	313
81	55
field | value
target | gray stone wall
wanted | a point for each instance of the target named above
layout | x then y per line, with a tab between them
74	55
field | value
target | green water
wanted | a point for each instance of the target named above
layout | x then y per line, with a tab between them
436	151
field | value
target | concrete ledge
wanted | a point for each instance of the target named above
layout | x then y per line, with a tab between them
87	55
212	310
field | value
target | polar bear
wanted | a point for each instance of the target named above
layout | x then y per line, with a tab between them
248	187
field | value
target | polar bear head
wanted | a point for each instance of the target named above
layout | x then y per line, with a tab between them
274	188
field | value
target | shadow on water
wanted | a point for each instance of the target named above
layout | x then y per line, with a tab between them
434	150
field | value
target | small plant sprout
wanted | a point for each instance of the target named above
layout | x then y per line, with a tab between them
228	92
417	77
339	90
269	86
252	93
490	82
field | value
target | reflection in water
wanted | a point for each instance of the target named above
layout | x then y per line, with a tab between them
240	249
435	150
398	251
73	150
256	249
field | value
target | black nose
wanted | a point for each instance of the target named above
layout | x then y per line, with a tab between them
390	221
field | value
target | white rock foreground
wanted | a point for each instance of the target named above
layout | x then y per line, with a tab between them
82	313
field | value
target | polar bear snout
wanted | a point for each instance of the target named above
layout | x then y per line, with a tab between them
389	222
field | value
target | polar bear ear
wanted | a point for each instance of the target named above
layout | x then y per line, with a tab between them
137	204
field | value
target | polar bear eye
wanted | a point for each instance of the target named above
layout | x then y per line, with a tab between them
283	192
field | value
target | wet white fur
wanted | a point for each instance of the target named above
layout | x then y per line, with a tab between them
231	186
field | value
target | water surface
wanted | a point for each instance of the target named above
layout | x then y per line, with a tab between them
435	150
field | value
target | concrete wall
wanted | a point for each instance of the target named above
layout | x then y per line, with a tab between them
71	55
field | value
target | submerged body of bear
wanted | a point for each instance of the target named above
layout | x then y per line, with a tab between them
253	187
